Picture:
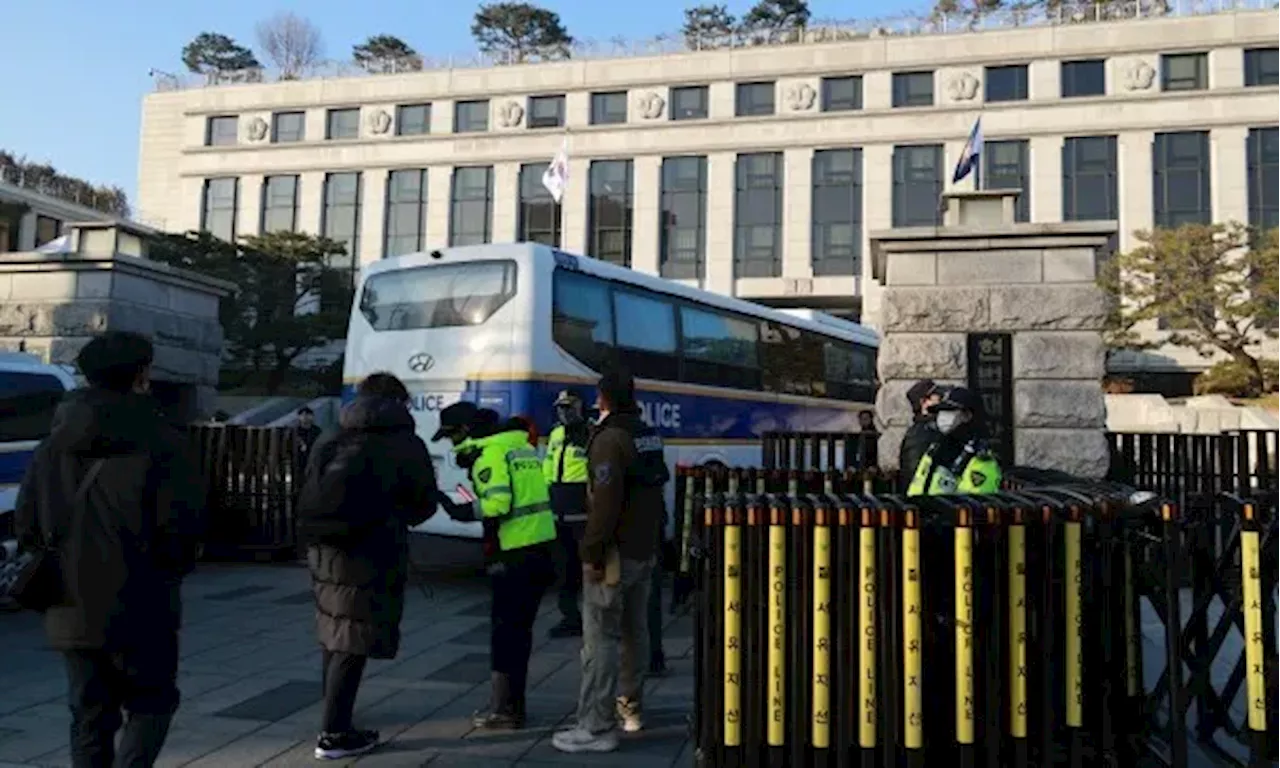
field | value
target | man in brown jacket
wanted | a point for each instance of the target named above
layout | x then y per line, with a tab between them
626	472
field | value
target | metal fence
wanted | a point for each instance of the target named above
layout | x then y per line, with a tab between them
252	479
844	628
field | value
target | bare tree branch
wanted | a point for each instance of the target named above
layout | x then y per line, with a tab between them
291	42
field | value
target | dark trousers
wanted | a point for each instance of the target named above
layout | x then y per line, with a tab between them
103	685
517	594
656	653
342	673
570	534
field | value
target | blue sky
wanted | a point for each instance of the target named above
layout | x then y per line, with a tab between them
75	70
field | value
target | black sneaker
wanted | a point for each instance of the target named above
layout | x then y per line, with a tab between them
495	720
566	628
335	746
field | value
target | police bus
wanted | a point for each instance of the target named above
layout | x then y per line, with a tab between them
30	391
509	326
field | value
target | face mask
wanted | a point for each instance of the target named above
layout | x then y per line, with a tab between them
948	421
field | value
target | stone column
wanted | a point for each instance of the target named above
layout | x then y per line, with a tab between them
373	215
645	184
720	196
439	189
986	274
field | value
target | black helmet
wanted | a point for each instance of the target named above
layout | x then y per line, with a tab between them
460	414
958	399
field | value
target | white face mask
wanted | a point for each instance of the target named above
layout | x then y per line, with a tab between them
948	421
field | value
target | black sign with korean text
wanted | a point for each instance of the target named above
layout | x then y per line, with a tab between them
991	378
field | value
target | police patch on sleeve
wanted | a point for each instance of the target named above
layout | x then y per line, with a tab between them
978	478
484	475
603	473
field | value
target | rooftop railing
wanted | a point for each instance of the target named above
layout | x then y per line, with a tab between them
1017	16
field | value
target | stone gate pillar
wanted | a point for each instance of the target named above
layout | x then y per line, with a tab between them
1010	310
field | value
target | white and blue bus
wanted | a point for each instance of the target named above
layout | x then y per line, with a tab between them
508	326
30	392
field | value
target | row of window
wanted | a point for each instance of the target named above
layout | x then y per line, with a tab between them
1085	77
1181	194
597	321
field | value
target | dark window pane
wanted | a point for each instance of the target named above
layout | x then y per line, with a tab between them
1260	67
645	333
841	94
1089	179
913	89
754	99
546	111
582	317
689	102
279	204
539	214
609	108
340	222
1184	71
837	211
28	402
682	251
413	119
792	360
342	123
471	116
917	185
1084	78
1263	157
222	131
1007	83
288	127
472	206
719	349
758	216
403	231
47	229
1180	164
609	211
218	209
1007	167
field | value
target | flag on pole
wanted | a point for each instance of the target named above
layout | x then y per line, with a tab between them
970	156
556	177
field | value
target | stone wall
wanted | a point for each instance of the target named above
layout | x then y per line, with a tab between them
1034	281
51	304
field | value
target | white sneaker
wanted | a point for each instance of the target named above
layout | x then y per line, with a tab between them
579	739
629	714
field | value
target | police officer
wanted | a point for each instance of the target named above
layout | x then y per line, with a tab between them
960	460
515	508
565	469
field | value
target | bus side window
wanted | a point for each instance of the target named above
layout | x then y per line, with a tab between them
646	334
582	319
27	404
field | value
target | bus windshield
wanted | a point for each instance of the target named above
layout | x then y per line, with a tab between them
437	296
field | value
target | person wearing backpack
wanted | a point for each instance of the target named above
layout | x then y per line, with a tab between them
113	506
365	486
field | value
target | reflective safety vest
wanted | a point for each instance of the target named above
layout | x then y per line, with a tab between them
974	471
565	462
507	478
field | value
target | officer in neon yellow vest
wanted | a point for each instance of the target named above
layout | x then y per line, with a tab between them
513	503
565	469
959	461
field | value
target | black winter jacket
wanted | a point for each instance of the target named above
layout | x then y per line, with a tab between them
915	444
144	515
365	485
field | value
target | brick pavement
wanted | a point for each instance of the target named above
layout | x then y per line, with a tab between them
250	684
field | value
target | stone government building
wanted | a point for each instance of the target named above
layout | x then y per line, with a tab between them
756	171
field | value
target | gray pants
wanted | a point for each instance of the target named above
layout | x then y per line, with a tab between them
615	644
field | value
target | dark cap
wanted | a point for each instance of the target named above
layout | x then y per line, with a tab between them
567	397
460	414
959	399
919	391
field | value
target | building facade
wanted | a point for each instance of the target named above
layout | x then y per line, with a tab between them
755	171
29	219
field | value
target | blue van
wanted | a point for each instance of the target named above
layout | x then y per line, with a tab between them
30	392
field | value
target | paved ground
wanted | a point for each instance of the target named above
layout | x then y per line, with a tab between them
250	683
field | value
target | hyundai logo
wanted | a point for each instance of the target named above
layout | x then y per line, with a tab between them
421	362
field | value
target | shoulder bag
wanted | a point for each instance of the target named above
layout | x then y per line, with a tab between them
38	585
